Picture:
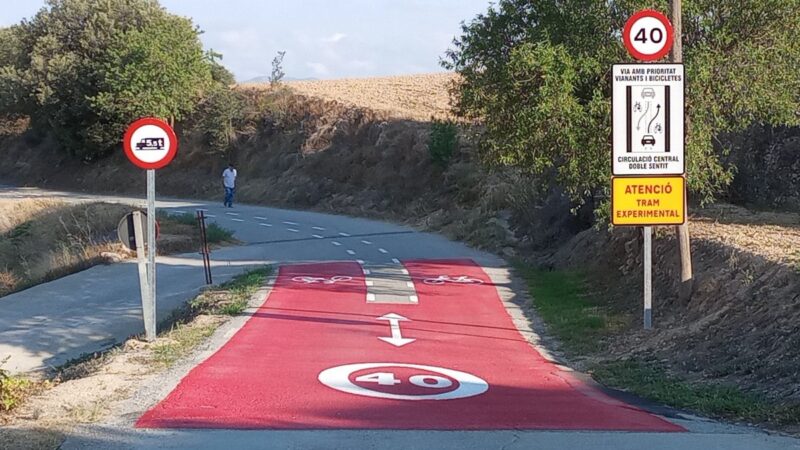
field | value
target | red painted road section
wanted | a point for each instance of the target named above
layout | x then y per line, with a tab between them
266	376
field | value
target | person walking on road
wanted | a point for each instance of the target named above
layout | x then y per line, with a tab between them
229	183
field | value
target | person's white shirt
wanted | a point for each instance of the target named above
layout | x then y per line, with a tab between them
229	178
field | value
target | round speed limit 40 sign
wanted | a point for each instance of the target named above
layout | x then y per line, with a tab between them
648	35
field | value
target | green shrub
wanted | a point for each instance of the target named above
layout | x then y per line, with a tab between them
442	142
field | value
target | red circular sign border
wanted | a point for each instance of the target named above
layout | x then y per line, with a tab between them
173	148
626	35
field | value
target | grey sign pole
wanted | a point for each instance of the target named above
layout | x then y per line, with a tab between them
648	278
149	301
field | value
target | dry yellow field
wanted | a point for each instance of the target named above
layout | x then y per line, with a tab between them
415	97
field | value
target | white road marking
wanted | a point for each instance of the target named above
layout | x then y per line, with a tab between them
397	338
232	214
290	223
360	261
211	216
370	297
367	272
414	299
318	228
265	224
293	230
181	212
405	271
366	242
260	218
316	236
350	252
336	243
344	234
237	220
383	250
370	283
395	260
410	284
199	209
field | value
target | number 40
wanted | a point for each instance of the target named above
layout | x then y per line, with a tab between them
656	35
388	379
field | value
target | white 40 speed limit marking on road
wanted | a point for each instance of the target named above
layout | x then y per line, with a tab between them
381	379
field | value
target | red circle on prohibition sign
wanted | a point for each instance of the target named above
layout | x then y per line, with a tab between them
156	143
648	33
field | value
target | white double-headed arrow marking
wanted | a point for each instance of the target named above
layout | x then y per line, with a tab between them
397	338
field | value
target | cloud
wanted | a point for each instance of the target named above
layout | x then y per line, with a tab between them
334	38
319	68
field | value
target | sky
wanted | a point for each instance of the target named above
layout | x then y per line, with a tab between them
322	38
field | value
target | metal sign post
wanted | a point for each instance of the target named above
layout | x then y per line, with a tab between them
144	275
648	278
149	308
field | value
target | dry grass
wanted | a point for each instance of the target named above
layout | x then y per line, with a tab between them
415	97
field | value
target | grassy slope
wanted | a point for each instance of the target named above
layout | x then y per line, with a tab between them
580	322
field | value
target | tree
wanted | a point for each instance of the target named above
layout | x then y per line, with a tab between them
277	69
537	75
91	67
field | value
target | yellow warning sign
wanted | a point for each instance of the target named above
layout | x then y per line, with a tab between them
646	201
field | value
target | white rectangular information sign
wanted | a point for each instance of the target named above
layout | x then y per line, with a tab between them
648	119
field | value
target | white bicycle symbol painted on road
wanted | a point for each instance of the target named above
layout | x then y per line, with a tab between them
314	280
442	279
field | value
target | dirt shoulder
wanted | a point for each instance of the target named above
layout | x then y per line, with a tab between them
102	386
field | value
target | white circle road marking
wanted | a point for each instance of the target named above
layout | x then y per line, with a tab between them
339	378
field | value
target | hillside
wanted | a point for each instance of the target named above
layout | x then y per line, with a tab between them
414	97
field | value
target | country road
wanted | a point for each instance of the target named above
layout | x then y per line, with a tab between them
372	335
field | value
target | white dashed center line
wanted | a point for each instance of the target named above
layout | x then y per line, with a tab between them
344	234
232	214
260	218
290	223
395	260
211	216
383	250
181	212
336	243
318	228
316	236
350	252
292	230
237	220
265	224
366	242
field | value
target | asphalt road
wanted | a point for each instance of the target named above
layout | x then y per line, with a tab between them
52	323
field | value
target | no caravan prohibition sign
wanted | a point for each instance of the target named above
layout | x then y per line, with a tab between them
150	143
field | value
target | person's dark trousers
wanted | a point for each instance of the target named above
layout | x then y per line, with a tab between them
229	196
